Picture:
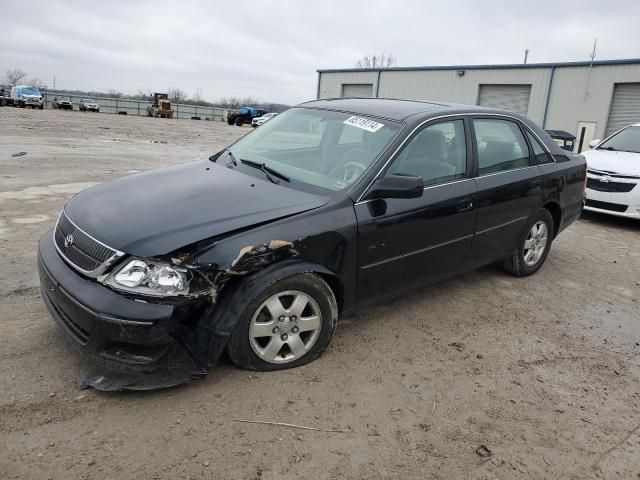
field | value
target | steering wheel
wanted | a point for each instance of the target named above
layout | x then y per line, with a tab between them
352	170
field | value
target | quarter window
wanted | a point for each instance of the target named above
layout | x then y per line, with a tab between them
501	146
538	151
438	153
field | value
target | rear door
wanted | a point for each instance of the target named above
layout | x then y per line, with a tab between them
406	242
509	186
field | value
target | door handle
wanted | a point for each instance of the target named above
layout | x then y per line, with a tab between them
465	206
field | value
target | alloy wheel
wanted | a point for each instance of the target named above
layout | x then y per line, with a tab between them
285	327
535	243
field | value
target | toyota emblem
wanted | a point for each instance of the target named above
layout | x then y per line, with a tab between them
68	241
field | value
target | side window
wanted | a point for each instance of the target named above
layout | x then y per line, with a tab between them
501	146
538	151
438	154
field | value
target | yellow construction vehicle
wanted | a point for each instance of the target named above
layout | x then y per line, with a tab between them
161	106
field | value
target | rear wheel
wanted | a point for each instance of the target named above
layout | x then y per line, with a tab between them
239	122
533	245
288	324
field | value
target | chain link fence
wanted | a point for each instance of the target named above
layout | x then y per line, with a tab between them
137	107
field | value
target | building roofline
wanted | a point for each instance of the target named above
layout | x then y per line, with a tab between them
622	61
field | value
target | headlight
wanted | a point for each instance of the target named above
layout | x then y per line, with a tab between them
149	277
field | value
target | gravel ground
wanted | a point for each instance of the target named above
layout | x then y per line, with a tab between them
543	371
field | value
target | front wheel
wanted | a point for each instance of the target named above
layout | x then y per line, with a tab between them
533	245
288	324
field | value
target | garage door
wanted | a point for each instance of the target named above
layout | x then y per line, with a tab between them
514	98
357	90
625	106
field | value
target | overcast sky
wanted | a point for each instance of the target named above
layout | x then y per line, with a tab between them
270	50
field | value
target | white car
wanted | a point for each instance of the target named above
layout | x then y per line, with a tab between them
256	122
613	174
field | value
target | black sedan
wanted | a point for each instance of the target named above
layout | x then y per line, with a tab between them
325	209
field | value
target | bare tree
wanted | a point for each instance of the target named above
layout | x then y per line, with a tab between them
176	95
15	76
36	82
376	61
197	96
144	94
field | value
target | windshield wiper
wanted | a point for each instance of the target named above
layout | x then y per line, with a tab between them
267	170
215	157
611	149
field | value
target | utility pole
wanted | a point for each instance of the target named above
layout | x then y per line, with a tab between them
587	92
526	54
54	81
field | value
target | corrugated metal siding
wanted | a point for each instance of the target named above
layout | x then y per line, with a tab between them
583	94
513	98
447	85
578	93
625	107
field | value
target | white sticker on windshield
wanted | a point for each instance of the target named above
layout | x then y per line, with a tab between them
363	123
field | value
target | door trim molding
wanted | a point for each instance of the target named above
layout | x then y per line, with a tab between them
519	219
415	252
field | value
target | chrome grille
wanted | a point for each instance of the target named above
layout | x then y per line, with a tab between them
609	186
82	251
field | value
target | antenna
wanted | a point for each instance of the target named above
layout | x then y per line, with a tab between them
526	54
593	53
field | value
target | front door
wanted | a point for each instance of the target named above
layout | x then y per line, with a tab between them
406	242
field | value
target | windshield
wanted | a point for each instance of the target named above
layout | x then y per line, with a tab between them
627	140
325	149
30	91
86	100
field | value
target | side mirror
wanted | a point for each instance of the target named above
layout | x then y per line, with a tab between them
594	143
397	186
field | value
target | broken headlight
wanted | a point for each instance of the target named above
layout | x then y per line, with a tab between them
149	277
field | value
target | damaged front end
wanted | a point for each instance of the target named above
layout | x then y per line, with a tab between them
149	323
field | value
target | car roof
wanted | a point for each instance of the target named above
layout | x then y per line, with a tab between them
393	109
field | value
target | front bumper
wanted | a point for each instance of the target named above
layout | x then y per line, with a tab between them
118	333
32	101
614	203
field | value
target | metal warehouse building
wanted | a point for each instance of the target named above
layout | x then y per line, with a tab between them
588	99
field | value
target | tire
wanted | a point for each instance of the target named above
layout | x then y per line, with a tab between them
247	350
239	122
532	250
41	107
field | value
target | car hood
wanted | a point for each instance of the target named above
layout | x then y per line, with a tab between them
626	163
157	212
